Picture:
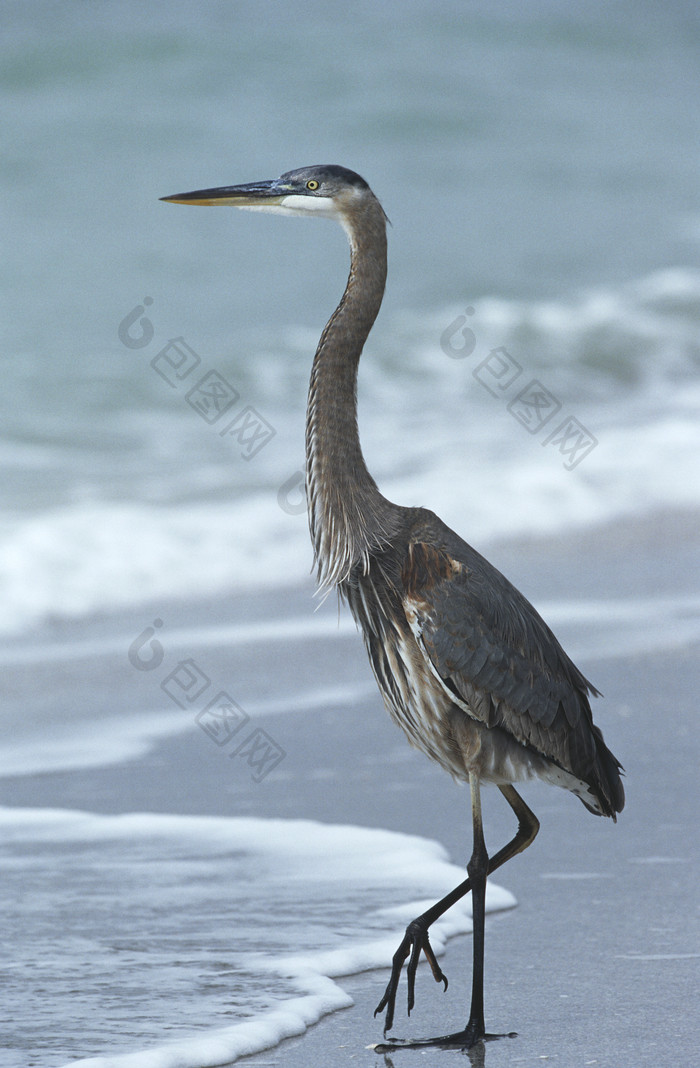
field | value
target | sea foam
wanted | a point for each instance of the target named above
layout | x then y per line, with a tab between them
226	935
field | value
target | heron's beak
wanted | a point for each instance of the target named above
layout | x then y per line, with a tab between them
254	195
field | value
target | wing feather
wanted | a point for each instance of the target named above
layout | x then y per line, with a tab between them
496	654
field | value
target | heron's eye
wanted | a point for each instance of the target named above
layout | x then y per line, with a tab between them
312	184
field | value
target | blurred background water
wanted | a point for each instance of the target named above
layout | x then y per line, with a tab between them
539	163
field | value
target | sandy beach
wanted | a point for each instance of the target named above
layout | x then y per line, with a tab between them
599	963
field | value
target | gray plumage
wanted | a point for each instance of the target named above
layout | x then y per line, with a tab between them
498	679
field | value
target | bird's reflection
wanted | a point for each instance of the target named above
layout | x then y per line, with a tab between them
476	1055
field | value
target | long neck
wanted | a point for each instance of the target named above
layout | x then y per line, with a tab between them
347	514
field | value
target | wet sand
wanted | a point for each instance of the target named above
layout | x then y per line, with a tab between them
600	961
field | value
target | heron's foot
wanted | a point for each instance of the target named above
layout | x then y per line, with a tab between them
461	1040
414	942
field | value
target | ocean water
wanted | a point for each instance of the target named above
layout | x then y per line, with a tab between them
534	370
313	897
535	365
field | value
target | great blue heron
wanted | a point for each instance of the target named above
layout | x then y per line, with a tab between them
465	664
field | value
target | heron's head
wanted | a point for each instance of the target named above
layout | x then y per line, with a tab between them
326	191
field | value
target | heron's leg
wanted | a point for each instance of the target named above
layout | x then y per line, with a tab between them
416	941
477	868
528	826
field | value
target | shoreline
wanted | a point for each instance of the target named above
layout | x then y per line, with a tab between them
603	930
